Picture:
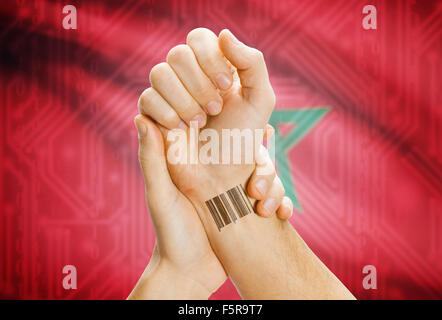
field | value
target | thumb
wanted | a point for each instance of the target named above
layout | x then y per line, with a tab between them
250	66
159	186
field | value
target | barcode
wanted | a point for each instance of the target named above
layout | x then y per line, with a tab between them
229	206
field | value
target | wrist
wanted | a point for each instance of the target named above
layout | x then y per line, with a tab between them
185	282
166	282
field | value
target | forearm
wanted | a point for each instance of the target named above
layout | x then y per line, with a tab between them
267	259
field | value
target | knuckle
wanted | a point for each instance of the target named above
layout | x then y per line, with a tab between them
214	65
199	34
199	88
205	90
158	71
144	99
170	119
212	60
178	53
188	115
256	55
190	112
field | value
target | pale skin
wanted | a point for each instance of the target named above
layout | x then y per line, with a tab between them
182	253
222	84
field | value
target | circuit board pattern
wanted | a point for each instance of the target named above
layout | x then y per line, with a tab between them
368	175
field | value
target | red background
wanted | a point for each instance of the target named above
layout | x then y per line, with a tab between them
368	175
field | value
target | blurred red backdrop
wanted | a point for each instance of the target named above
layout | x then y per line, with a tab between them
368	175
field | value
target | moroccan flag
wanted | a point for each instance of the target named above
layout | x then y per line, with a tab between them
358	122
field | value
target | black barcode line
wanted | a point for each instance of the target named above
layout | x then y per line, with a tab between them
233	200
244	208
221	210
237	200
229	206
218	214
214	214
243	193
241	198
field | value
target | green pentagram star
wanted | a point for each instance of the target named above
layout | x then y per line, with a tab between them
304	120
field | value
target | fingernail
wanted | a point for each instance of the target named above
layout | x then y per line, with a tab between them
182	125
286	209
261	186
270	205
213	108
200	119
223	81
287	203
141	128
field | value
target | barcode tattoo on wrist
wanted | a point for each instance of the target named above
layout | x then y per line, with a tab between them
229	206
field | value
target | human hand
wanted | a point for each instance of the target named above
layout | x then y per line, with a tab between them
265	258
183	89
182	253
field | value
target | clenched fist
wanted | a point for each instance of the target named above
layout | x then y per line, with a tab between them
219	83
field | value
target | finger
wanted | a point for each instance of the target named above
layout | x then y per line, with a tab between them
251	69
159	186
269	132
165	81
285	210
182	60
268	206
263	176
204	44
152	104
